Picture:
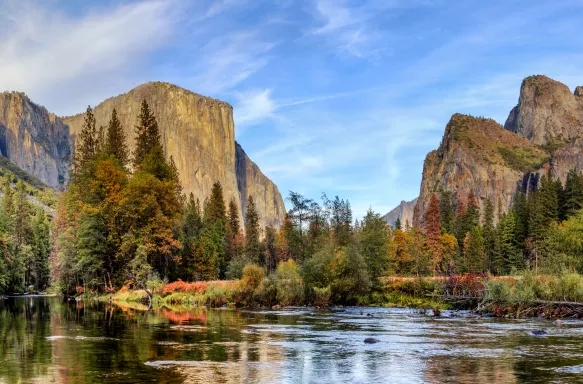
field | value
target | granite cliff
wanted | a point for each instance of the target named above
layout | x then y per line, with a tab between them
34	139
543	133
197	131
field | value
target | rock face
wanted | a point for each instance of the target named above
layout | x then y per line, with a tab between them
34	139
547	112
480	155
199	133
403	211
543	133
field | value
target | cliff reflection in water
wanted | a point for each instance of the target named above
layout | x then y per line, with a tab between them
48	340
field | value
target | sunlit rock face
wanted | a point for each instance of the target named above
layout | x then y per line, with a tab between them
199	133
34	139
548	113
543	133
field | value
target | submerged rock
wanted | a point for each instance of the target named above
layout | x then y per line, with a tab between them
370	340
539	332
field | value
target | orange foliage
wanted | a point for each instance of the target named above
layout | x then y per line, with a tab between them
197	286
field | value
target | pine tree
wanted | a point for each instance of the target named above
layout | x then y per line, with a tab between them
374	244
474	251
446	213
192	227
270	249
41	250
573	194
21	215
87	147
472	212
147	134
398	223
115	143
252	245
91	245
433	231
232	232
489	234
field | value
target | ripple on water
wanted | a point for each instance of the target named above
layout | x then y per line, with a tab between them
570	369
83	338
189	328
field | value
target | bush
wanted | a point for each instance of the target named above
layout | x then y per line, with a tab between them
322	296
350	276
288	283
235	267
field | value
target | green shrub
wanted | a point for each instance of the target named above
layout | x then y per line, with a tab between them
289	283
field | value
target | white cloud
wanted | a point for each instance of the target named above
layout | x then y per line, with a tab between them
42	49
253	107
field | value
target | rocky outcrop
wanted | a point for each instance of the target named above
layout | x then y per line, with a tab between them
543	133
547	112
403	212
34	139
199	133
480	155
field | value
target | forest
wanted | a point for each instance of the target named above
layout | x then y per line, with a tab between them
124	223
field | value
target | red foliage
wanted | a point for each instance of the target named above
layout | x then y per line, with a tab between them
470	284
194	287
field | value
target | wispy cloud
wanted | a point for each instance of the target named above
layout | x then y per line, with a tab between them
228	60
41	49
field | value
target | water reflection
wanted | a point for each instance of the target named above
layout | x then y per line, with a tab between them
48	340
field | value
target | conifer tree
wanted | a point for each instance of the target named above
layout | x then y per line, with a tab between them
115	143
474	251
573	194
252	245
374	244
270	249
489	234
87	147
147	134
233	233
398	223
446	213
433	231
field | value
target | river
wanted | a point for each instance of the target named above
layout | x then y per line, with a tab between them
47	340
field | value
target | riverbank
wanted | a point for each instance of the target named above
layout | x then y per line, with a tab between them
524	295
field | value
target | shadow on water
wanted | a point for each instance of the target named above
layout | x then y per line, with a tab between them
44	339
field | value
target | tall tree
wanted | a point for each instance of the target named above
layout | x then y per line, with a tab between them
489	234
115	143
446	212
374	244
86	150
252	245
433	231
147	134
573	194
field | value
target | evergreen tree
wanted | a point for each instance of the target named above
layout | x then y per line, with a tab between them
374	244
21	214
474	251
270	249
446	212
573	194
91	248
41	248
147	134
192	227
252	245
87	148
433	231
473	212
115	143
232	233
489	234
215	218
398	223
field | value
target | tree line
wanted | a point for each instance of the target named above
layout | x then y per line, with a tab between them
24	241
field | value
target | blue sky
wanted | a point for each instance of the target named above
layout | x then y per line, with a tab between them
342	97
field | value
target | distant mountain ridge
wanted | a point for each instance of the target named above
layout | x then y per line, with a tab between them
404	212
197	131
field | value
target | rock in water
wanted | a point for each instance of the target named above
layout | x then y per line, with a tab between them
539	332
370	340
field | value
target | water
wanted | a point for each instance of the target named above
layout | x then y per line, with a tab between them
46	340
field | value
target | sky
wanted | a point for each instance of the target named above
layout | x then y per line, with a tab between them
341	97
